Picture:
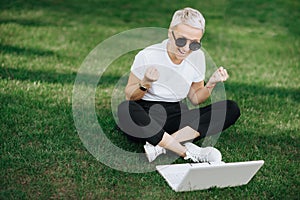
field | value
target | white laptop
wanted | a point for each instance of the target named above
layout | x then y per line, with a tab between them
200	176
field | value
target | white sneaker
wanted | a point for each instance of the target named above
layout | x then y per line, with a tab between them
198	154
152	152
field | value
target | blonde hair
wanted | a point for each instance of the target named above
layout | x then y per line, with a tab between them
188	16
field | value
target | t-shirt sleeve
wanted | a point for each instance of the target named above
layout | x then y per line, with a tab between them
138	67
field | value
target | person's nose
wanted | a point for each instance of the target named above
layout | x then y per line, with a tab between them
186	47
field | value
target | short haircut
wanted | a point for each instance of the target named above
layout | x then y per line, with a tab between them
188	16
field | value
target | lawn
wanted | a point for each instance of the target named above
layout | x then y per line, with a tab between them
44	43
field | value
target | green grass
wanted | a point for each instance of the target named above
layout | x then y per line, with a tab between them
42	45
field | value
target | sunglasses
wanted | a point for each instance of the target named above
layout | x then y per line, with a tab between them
181	42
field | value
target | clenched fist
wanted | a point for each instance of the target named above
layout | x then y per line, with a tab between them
220	75
151	75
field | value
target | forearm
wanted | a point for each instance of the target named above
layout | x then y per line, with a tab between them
202	94
134	93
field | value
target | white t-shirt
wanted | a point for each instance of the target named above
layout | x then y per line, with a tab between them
175	80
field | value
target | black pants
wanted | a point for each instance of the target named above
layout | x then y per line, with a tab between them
147	120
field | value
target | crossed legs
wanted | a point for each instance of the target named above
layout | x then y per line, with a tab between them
173	142
134	118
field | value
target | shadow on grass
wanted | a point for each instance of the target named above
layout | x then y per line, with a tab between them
257	12
26	22
150	13
53	77
109	13
242	89
9	49
247	90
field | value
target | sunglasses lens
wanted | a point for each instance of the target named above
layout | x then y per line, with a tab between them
180	42
194	46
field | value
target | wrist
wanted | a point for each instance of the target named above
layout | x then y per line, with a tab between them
210	85
145	82
144	86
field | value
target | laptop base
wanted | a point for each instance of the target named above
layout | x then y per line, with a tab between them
200	176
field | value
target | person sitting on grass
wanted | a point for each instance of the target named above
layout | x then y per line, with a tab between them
162	76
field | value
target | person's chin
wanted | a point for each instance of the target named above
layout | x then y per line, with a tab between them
181	56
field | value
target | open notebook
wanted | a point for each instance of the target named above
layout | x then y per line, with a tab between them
199	176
